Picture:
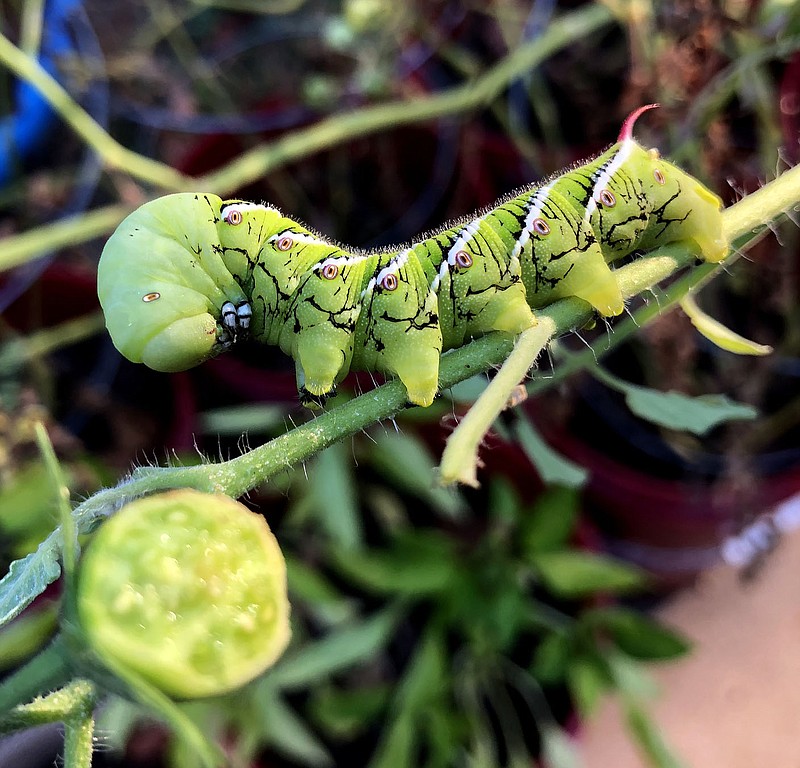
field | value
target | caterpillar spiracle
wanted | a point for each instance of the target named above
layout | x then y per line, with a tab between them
187	275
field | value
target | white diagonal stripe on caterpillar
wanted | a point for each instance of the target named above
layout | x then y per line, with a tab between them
605	177
245	206
444	268
298	237
339	261
392	267
535	205
466	234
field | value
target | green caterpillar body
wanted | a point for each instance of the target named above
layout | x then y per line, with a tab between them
186	275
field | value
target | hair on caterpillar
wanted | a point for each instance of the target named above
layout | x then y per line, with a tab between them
609	329
586	344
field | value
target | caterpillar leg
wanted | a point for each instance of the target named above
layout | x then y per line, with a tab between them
704	227
592	280
507	310
235	322
416	364
399	330
322	359
312	402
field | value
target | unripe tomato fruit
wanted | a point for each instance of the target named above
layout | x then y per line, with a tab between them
187	589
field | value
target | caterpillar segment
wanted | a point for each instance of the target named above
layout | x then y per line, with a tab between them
559	253
305	292
200	273
399	330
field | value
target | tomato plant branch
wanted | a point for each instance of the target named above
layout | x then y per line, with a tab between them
72	705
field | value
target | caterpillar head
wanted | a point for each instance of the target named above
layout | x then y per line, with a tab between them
162	283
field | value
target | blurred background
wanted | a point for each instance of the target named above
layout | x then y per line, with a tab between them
431	627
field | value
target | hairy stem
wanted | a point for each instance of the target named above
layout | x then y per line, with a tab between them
48	670
79	740
758	209
72	705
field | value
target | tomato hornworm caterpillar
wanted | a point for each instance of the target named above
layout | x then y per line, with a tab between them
186	275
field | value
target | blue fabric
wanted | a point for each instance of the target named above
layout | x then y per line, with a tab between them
33	119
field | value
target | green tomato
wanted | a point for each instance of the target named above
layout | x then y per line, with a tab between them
188	590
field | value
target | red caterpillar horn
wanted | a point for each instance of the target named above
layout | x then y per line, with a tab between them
626	132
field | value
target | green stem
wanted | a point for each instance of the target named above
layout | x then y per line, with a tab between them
50	237
573	362
757	210
79	740
47	670
459	460
254	164
73	705
263	159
